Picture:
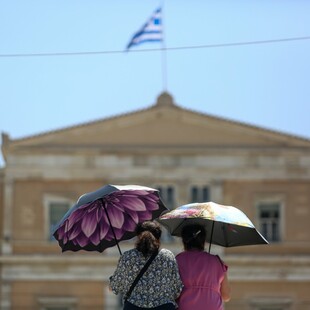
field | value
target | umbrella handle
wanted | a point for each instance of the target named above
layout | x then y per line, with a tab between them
211	236
106	212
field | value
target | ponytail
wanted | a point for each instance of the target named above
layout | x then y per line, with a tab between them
149	234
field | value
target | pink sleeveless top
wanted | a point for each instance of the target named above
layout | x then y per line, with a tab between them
201	274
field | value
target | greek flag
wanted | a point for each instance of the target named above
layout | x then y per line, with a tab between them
151	31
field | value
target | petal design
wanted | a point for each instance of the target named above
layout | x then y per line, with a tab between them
145	216
116	217
99	214
89	223
104	226
132	203
87	226
59	234
151	196
129	225
82	240
74	232
119	233
134	216
65	239
95	237
75	216
151	205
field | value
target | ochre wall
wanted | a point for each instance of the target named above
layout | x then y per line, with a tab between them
26	294
1	207
296	212
289	291
29	231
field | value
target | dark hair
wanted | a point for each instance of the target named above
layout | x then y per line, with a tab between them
149	234
194	237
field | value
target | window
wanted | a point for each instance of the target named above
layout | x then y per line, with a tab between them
167	194
199	193
269	217
55	209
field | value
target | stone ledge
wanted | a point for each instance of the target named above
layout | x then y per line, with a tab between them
57	259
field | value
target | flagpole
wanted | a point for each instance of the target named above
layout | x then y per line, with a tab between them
163	53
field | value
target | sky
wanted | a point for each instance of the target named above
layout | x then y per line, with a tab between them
63	63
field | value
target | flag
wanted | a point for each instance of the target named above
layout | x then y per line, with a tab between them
151	31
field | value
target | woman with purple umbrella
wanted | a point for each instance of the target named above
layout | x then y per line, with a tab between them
159	285
103	218
204	275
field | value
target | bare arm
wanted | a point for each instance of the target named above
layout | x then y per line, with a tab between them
225	289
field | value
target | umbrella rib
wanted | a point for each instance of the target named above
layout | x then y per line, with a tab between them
106	211
211	236
225	234
179	225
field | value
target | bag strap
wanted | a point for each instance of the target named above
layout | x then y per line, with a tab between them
147	264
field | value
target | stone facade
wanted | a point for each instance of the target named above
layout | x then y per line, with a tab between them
162	146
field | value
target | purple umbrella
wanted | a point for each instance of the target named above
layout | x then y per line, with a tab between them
102	218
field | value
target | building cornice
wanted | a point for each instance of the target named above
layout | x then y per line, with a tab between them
58	259
236	260
241	268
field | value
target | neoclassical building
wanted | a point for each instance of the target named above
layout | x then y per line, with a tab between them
189	156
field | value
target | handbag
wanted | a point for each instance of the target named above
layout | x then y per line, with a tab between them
130	306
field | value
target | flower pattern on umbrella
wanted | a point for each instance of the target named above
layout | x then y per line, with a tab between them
210	211
88	225
225	225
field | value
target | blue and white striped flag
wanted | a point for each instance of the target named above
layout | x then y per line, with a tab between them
151	31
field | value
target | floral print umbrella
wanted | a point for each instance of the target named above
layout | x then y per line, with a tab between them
102	218
225	225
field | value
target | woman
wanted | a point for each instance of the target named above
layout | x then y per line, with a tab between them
204	275
160	285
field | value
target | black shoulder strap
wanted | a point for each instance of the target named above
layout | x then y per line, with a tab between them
147	264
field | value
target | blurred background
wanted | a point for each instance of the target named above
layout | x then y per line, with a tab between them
218	111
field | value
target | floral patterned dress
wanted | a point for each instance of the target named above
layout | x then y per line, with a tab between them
160	284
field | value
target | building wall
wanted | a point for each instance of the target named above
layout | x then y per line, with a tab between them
30	211
1	205
32	295
68	164
246	264
284	294
1	224
296	212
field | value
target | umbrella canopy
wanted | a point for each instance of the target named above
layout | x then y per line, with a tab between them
225	225
102	218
